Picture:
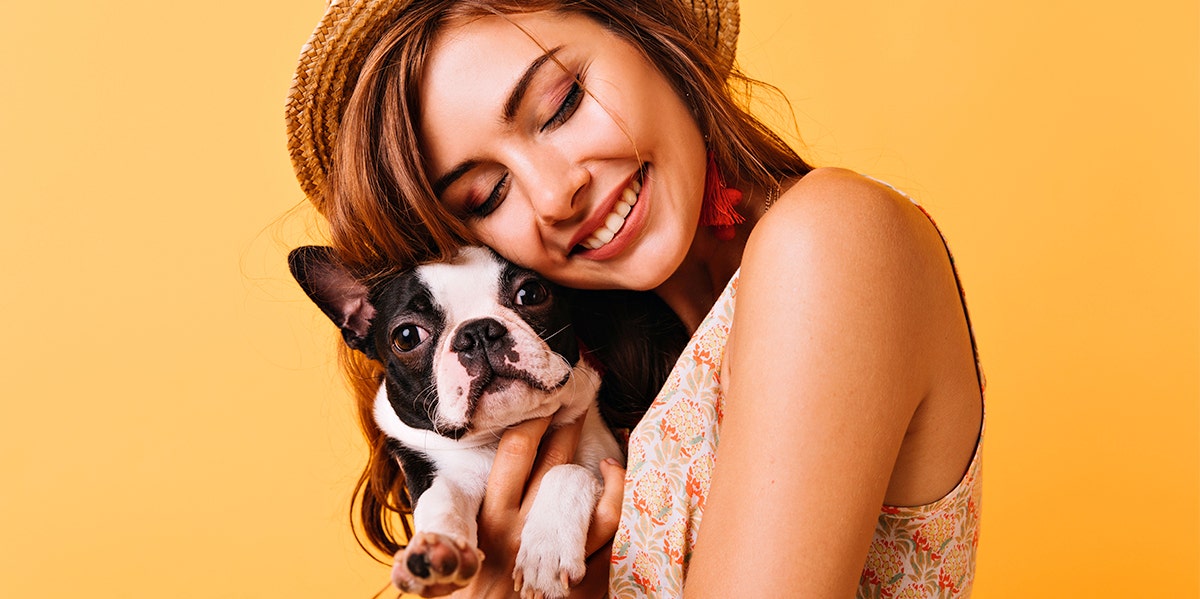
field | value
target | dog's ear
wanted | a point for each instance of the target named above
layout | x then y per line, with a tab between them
329	284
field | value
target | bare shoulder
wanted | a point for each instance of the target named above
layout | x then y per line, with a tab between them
836	216
845	257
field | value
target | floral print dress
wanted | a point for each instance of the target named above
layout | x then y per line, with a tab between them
917	552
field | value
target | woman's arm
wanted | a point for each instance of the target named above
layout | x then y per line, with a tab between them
831	353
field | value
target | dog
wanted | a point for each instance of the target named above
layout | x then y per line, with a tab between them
472	346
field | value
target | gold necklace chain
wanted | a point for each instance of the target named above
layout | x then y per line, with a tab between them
772	195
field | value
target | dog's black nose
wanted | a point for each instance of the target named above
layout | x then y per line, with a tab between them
478	334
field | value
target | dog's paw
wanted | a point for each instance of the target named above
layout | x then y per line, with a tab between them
546	572
552	556
433	560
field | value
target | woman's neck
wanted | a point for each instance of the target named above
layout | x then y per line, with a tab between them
710	262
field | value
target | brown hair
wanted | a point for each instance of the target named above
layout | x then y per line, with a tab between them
384	216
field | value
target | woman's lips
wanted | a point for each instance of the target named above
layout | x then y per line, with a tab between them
613	231
615	219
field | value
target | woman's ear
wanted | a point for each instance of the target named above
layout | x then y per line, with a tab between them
329	284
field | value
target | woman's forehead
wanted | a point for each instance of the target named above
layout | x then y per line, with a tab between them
493	49
468	58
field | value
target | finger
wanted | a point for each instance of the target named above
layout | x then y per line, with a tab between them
510	471
608	509
557	448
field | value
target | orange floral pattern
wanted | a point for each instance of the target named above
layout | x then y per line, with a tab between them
917	552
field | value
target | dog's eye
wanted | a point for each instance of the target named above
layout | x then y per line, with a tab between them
407	337
532	293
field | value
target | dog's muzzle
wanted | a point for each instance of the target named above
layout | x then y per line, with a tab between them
490	357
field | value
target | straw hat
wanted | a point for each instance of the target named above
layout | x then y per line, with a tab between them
334	54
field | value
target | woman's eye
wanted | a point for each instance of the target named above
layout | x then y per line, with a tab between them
532	293
569	103
407	337
494	198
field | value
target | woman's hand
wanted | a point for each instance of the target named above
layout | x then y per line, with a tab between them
526	453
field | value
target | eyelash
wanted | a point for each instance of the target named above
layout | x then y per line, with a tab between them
487	206
567	108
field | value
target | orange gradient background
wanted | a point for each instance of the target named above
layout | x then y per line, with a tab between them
174	424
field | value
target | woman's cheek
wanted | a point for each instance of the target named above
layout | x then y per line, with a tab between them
514	238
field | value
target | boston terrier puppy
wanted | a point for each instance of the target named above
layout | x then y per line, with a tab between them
471	347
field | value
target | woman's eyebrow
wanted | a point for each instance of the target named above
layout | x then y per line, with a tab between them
522	86
458	171
510	113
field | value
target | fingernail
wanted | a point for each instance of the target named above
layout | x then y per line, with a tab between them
612	462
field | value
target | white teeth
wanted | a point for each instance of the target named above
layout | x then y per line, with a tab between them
615	219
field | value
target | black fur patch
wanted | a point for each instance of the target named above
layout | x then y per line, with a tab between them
418	471
550	319
399	302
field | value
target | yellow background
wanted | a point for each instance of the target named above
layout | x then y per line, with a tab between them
173	424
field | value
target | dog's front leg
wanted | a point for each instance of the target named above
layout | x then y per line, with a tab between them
444	548
553	550
553	553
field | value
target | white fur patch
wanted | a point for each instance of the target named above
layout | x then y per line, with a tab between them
465	288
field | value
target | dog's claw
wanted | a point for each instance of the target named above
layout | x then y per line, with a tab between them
518	582
566	580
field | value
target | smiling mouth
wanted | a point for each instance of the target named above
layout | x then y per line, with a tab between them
615	221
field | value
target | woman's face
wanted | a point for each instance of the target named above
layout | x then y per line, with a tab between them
574	158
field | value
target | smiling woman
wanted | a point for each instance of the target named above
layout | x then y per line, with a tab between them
594	142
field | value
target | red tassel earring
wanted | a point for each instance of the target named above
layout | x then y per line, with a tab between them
717	210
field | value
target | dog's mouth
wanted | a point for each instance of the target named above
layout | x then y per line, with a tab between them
495	373
498	381
497	385
501	398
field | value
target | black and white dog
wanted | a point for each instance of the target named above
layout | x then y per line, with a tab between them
471	347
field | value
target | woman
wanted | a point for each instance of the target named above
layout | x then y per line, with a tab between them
597	143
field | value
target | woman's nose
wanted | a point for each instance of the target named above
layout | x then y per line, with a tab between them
555	191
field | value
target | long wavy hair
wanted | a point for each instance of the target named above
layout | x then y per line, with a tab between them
384	216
